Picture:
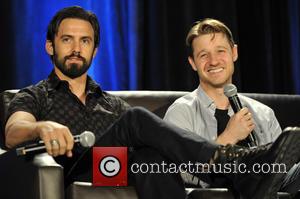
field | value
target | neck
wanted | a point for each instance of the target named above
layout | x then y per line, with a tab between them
217	95
76	85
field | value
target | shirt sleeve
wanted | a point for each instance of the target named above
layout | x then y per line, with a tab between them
123	106
120	105
274	126
178	114
25	100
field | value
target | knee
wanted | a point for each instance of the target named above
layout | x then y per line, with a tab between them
138	111
147	155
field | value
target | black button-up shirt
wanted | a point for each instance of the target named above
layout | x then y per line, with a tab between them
51	99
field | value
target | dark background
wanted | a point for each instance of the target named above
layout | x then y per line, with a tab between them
143	42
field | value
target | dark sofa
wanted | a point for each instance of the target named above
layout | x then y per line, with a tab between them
42	177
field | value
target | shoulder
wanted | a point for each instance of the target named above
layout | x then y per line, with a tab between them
36	91
250	102
187	100
261	111
29	99
183	105
111	97
115	101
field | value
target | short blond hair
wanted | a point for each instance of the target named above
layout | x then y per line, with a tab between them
207	26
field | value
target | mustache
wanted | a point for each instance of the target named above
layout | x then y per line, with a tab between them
77	55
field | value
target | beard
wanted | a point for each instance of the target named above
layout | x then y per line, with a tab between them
73	70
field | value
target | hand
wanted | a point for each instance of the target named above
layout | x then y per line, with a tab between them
57	138
238	128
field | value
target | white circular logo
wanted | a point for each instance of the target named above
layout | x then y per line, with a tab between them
109	166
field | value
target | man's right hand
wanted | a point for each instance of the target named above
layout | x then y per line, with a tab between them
57	138
238	128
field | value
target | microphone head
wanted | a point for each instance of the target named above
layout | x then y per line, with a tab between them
230	90
87	139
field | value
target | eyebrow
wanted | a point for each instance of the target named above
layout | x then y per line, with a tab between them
66	35
222	47
87	37
83	37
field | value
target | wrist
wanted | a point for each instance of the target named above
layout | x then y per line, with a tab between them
226	138
37	129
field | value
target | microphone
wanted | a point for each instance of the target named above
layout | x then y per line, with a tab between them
231	92
86	139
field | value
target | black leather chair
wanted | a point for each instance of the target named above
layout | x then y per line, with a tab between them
42	177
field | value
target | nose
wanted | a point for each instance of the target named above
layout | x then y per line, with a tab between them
213	59
76	47
76	53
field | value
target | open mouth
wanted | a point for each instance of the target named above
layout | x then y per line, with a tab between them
215	70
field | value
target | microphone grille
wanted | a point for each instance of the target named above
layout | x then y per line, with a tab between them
230	90
87	139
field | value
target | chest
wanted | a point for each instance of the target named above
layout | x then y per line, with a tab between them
95	115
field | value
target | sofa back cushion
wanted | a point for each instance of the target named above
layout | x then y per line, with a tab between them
286	107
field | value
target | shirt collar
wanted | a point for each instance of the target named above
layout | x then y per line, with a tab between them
208	102
92	86
204	98
54	82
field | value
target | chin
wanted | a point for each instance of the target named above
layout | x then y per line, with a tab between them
219	84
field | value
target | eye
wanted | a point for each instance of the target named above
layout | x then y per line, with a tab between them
203	55
221	51
66	40
86	41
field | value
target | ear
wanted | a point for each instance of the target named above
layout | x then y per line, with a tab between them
95	52
235	52
192	63
49	47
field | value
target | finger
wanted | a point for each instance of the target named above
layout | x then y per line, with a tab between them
46	139
251	126
244	110
54	142
242	113
69	140
69	154
248	116
249	122
62	144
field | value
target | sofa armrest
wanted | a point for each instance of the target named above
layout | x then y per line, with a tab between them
84	190
22	177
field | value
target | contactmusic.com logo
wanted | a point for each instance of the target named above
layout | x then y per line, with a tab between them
110	166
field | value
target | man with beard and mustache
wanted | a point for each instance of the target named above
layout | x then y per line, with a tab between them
74	70
207	112
69	102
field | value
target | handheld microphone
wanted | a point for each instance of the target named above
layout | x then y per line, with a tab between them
231	92
86	139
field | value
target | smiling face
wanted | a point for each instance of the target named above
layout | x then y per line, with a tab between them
213	59
73	48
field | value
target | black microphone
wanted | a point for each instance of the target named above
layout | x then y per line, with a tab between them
231	92
86	139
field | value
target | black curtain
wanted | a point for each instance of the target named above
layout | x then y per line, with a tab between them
6	47
260	28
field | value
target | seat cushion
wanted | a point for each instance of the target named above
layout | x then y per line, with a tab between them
222	193
216	193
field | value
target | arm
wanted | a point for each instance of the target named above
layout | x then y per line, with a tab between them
22	126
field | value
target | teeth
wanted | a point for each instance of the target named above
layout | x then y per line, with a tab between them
216	70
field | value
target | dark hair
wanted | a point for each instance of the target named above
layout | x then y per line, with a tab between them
73	12
207	26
